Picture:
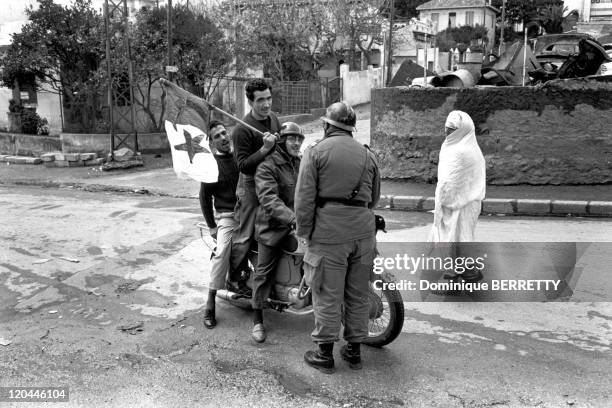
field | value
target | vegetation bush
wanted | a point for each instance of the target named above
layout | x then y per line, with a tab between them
31	122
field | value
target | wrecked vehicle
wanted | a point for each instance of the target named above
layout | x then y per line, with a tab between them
573	55
590	57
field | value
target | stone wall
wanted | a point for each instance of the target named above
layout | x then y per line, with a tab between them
100	143
560	133
28	145
32	145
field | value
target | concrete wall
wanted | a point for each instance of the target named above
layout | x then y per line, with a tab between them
31	145
100	143
557	134
357	85
28	145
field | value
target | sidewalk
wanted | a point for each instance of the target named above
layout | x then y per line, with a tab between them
158	178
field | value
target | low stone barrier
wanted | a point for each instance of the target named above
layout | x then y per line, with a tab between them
18	144
100	143
28	145
559	133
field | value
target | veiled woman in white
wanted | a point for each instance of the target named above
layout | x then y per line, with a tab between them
461	182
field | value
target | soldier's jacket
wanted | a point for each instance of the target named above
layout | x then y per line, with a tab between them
275	181
332	168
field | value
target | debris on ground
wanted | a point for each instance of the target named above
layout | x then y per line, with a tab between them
65	258
122	165
174	323
132	328
123	158
129	286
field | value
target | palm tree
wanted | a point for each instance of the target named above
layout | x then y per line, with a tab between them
551	18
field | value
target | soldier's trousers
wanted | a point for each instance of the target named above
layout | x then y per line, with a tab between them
338	275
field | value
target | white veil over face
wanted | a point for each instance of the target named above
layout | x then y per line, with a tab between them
461	173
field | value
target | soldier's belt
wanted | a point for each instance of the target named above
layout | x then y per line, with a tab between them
322	201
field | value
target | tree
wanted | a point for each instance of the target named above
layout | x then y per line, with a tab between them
361	23
404	9
290	39
199	51
546	13
551	18
60	46
461	37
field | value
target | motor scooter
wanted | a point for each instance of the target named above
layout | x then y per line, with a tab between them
291	294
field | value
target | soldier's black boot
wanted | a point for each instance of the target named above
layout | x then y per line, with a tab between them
351	352
321	359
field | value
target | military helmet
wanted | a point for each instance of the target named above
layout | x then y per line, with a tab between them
341	115
291	128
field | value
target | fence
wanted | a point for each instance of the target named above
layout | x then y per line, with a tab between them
293	97
288	97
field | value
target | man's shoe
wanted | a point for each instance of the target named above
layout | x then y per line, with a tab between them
259	333
322	359
209	318
351	352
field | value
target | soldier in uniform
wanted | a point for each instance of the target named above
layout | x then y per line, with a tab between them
275	181
338	185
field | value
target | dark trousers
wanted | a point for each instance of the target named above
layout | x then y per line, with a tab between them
244	214
339	274
264	279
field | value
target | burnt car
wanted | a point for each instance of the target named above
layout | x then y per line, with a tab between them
559	60
552	50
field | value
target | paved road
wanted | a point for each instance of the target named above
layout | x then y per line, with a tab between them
140	259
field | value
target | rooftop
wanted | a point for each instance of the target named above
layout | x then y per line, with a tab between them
455	4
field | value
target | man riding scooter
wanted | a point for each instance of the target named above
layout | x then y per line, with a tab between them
275	181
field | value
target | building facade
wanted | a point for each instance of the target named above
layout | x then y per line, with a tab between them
445	14
595	16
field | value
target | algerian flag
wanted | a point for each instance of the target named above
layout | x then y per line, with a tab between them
186	116
191	157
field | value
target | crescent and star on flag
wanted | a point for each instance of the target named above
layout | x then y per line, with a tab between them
192	146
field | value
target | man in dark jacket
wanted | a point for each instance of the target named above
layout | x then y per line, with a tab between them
275	186
337	188
221	227
250	149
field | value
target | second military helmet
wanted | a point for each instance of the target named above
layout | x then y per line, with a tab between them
291	128
341	115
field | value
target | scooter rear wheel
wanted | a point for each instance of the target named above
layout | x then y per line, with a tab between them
386	315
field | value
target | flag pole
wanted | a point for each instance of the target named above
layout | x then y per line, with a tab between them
187	95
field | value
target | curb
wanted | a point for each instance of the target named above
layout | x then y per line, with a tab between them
92	187
508	206
490	206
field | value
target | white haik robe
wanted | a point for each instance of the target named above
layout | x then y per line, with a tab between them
461	183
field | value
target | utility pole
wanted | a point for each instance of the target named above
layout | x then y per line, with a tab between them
390	53
117	95
169	73
501	31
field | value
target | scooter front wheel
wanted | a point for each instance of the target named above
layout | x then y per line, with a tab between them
386	313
